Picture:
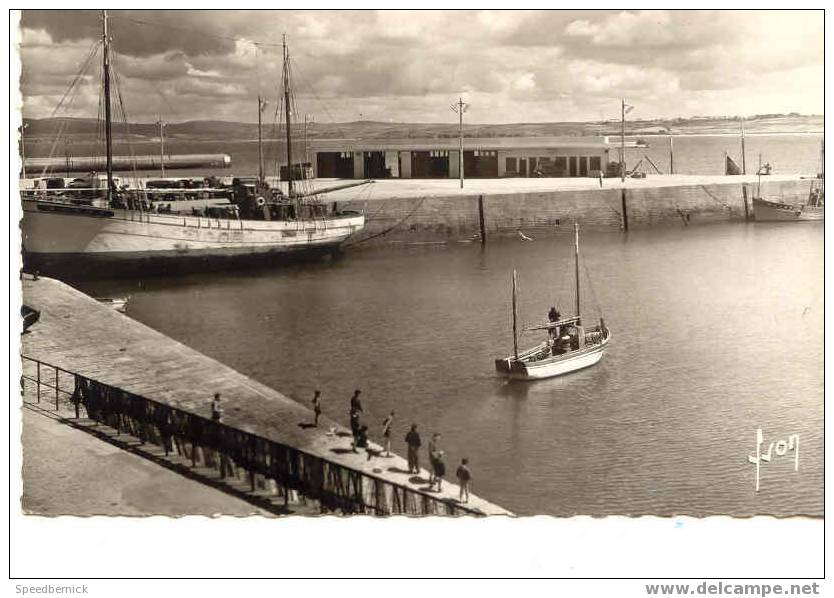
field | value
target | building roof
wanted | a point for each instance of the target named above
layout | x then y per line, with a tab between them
469	143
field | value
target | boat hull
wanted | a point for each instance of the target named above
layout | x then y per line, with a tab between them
769	211
522	369
57	237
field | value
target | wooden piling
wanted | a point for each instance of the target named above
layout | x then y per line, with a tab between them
625	210
481	219
746	205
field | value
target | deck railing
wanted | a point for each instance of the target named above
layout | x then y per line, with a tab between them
211	443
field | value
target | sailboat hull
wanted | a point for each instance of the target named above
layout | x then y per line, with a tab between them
524	368
56	236
768	211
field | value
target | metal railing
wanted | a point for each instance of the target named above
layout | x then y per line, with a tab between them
215	444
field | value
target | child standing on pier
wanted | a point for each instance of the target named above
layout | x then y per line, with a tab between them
216	409
386	433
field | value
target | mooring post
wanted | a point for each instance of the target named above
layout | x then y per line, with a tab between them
746	206
625	210
481	219
38	363
56	389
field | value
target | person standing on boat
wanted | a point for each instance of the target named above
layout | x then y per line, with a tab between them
553	316
316	407
386	433
412	439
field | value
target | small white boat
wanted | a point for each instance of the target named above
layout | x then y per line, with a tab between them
569	345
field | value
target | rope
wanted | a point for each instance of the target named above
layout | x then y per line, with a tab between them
389	229
707	191
591	287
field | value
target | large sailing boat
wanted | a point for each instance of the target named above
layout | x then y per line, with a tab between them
569	346
61	234
813	208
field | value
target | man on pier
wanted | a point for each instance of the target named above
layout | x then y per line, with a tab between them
317	407
216	409
412	439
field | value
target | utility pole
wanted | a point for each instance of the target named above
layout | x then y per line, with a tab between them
671	155
743	153
161	125
108	133
460	107
622	143
261	107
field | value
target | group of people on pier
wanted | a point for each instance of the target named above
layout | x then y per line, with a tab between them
359	431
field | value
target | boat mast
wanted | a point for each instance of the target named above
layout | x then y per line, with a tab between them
515	314
576	254
107	117
288	113
261	106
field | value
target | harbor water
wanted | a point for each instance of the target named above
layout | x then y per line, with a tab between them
717	331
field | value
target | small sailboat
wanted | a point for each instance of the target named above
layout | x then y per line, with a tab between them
569	345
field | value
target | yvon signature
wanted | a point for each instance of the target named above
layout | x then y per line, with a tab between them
780	447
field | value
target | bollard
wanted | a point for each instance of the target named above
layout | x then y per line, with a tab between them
625	211
481	219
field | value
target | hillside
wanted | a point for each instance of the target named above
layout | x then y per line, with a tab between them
79	128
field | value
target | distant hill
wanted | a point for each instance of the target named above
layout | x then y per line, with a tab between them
208	130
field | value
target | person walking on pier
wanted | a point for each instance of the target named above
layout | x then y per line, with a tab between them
216	409
433	450
412	439
317	407
464	475
386	433
439	469
355	403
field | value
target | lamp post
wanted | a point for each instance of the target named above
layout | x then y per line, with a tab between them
161	126
460	107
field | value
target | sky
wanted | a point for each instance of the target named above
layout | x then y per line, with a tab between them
409	66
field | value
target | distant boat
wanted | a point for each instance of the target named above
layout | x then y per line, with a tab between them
568	347
117	303
780	211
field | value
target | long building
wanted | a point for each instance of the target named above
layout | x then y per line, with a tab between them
487	157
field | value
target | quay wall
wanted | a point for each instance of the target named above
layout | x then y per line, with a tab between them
448	217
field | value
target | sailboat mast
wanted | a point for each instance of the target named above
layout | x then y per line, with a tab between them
515	314
576	255
288	114
107	116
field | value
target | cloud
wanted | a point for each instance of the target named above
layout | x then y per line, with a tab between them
513	65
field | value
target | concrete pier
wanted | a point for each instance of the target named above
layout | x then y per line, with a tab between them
400	211
149	374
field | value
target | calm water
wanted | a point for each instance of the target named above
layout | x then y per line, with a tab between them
702	154
717	330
